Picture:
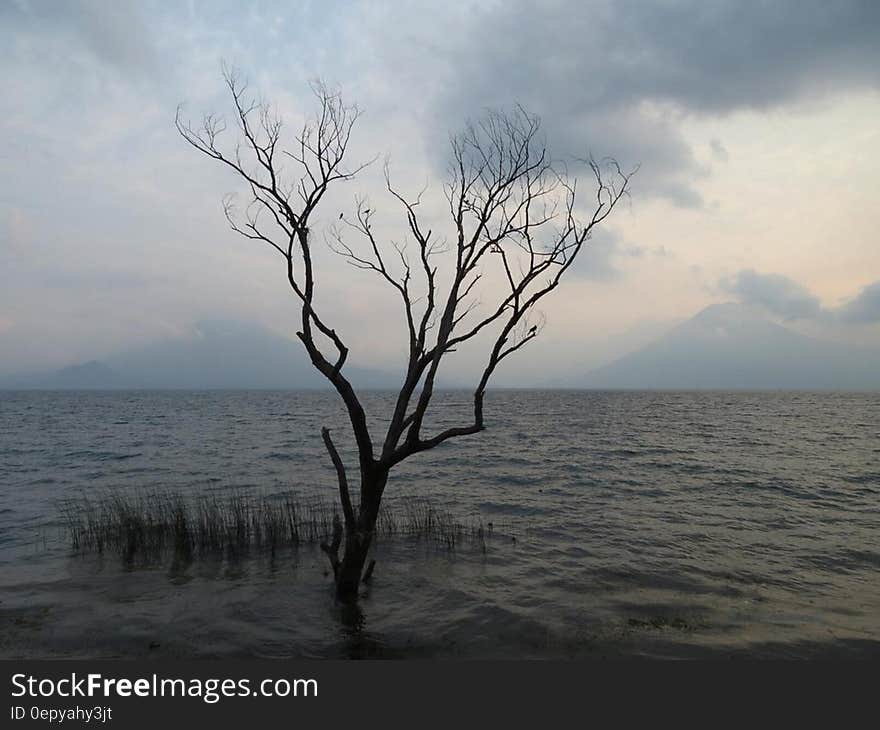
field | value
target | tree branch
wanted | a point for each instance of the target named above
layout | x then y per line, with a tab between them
344	497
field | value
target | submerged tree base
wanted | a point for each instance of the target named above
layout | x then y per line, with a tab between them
148	527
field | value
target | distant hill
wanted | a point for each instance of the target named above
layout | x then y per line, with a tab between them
725	346
217	355
730	346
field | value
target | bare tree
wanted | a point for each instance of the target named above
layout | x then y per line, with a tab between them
514	216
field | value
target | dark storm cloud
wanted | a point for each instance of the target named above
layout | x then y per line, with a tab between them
615	77
776	293
863	308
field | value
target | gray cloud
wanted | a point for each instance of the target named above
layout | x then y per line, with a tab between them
618	76
719	151
605	255
786	298
776	293
114	33
864	307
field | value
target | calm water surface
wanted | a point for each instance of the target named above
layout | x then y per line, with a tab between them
649	524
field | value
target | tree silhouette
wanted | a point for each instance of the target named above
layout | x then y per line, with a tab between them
513	216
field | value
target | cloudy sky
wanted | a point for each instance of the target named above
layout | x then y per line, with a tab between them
755	125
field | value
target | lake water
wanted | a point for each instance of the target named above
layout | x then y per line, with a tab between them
626	524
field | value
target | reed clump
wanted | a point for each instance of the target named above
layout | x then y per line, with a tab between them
146	527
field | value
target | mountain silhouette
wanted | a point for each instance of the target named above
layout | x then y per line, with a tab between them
216	355
732	346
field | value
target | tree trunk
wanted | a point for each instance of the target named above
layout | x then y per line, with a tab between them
359	538
351	567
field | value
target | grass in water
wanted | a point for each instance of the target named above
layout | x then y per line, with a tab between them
146	527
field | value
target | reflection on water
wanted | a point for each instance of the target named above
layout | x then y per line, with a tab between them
661	524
